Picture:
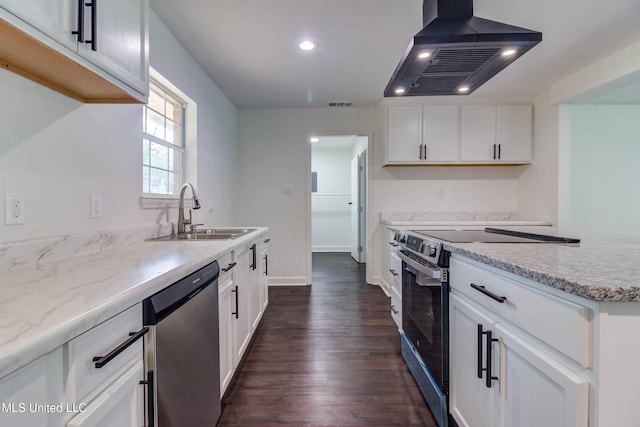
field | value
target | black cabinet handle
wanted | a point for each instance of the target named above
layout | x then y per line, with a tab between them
94	24
266	264
499	156
490	340
253	257
100	361
489	350
425	151
150	399
420	153
266	240
80	31
494	151
393	308
480	334
236	292
393	272
488	293
230	266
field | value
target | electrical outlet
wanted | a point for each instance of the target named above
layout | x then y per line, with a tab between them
96	207
210	206
14	209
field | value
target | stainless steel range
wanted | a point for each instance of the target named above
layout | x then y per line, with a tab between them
425	303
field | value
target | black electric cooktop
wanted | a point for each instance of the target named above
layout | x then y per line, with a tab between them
493	235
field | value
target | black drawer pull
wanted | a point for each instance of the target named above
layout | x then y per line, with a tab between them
393	308
100	361
392	271
394	244
229	267
266	240
488	293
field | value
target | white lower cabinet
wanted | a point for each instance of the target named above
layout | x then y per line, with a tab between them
226	302
242	299
121	404
65	388
503	375
24	392
535	389
471	403
395	269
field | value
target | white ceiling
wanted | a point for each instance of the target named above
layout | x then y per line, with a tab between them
250	50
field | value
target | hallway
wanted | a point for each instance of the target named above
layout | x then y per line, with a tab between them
326	355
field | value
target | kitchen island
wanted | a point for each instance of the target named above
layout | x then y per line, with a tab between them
545	334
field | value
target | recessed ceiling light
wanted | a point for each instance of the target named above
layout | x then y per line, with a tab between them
463	89
400	90
424	54
508	52
308	45
314	139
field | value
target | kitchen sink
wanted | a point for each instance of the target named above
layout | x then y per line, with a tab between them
209	234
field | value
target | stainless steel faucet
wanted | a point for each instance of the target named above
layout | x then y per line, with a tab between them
195	205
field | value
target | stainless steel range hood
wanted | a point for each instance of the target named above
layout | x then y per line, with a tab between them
456	52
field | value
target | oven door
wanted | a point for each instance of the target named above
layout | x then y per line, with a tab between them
424	315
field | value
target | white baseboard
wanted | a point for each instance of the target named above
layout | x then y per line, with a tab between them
288	281
330	248
379	281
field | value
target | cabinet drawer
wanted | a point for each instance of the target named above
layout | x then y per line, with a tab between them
84	380
226	267
396	308
562	324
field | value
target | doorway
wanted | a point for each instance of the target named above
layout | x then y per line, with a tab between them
339	195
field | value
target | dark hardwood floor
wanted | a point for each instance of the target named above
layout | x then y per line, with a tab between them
326	355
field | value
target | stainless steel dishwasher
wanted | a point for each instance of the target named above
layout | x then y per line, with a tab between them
182	352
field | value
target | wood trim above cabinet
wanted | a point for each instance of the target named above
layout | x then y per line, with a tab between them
24	55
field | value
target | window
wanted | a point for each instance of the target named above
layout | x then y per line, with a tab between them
163	143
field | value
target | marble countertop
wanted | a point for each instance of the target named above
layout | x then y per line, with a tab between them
46	304
426	219
602	268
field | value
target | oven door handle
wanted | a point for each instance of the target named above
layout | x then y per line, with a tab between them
431	273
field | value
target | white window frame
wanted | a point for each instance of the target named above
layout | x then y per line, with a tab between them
189	163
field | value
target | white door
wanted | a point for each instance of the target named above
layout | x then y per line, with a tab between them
355	228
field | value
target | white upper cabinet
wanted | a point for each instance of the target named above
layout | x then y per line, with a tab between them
514	132
496	134
54	18
94	51
422	134
440	133
121	39
451	134
405	134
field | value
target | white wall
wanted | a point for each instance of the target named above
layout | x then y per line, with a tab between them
330	209
605	168
538	184
58	152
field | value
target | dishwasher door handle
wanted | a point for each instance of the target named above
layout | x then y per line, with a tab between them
100	361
